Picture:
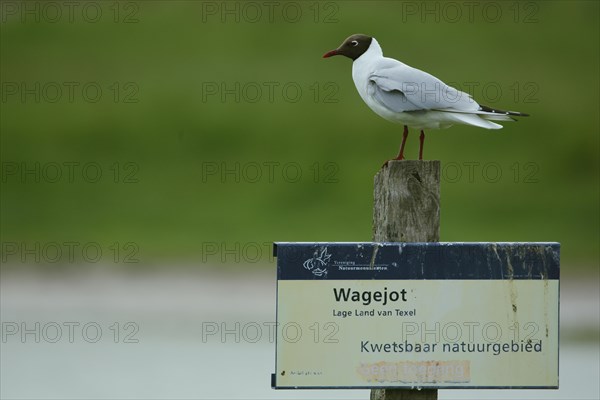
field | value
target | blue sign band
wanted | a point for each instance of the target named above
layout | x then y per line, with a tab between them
461	261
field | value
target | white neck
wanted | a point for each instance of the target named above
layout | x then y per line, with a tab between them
374	50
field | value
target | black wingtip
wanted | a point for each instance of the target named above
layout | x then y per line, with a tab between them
497	111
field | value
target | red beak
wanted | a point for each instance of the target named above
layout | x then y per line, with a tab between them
331	53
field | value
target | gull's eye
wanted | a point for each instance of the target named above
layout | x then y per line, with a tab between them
354	43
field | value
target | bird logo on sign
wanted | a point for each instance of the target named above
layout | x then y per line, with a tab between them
318	263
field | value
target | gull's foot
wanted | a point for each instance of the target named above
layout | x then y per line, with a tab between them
385	164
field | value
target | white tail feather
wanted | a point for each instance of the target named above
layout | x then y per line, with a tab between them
474	120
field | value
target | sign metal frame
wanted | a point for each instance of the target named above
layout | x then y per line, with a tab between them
329	271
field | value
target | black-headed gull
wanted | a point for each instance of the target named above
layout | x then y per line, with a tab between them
409	96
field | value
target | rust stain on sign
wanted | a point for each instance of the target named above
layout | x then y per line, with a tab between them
416	372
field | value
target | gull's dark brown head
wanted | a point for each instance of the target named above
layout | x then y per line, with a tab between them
353	47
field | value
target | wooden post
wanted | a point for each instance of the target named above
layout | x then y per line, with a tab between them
407	209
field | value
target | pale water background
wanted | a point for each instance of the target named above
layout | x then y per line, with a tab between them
171	361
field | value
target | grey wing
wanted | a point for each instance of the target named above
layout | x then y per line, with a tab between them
401	88
393	99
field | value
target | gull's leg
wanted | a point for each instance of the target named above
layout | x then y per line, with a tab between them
421	140
400	155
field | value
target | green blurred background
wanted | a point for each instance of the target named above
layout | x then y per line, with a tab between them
179	105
